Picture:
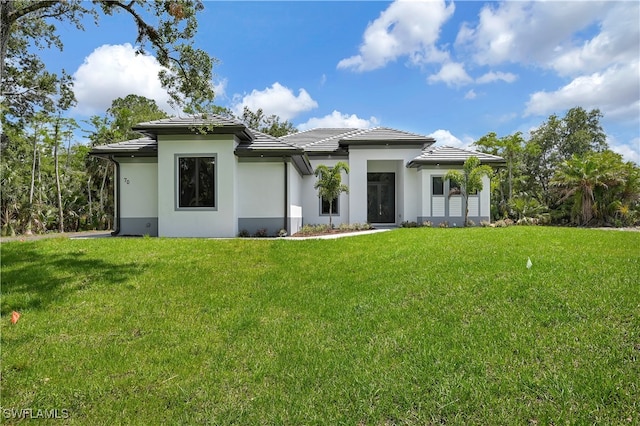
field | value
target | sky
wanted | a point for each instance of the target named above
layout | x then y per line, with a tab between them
451	70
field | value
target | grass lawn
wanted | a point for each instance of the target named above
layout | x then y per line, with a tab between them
411	326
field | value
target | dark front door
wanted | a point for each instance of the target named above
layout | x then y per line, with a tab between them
381	197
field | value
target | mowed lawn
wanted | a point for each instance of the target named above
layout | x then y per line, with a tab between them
411	326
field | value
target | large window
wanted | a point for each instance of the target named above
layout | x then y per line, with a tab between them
196	182
324	209
437	185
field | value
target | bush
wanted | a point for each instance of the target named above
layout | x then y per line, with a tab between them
260	233
314	229
427	224
407	224
282	233
485	223
444	224
243	233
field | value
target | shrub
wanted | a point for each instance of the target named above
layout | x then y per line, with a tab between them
260	233
407	224
243	233
282	233
444	224
427	224
314	229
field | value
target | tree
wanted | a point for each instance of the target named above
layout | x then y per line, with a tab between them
115	126
270	125
27	86
329	183
557	140
601	187
470	180
578	178
510	148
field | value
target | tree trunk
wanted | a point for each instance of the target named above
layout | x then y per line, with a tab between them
330	211
33	180
57	172
89	195
466	210
6	7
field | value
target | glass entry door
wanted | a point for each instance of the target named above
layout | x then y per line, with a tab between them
381	197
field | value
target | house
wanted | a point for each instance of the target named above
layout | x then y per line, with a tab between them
214	177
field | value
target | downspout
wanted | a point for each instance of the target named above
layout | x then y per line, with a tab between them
286	195
116	207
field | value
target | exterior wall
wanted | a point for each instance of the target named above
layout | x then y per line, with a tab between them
261	195
218	222
442	208
311	207
138	186
295	199
384	159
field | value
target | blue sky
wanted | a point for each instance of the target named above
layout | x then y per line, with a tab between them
451	70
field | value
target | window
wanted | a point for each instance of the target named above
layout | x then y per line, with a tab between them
325	206
437	185
196	182
454	188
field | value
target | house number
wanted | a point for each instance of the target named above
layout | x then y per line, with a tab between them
126	180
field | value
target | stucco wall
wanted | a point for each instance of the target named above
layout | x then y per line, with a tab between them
384	159
221	222
311	202
439	209
295	199
138	186
261	195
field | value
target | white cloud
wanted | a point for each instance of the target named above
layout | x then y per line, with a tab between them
491	76
337	119
471	94
445	138
220	88
404	29
629	152
616	43
615	92
277	99
115	71
528	32
452	74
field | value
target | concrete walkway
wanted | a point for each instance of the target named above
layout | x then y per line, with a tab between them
339	235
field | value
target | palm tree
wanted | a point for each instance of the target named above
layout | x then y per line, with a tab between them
329	184
470	180
580	178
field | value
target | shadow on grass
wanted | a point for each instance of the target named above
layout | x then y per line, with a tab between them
34	278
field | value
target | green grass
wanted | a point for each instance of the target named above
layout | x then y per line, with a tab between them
412	326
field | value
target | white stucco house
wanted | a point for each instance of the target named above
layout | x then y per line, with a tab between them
185	180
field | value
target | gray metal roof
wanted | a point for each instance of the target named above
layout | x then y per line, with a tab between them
209	123
319	140
145	146
189	121
451	155
263	142
385	135
336	139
